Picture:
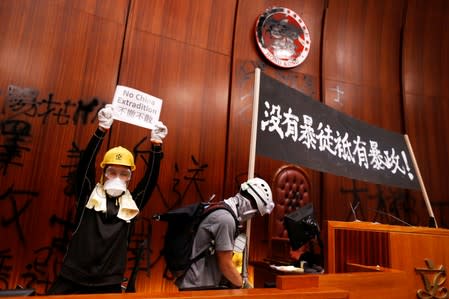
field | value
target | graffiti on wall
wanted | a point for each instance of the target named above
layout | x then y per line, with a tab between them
391	205
22	109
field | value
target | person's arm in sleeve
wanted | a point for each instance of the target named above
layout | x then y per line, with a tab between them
86	170
228	268
224	246
146	185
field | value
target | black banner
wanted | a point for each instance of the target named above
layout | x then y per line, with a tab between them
293	127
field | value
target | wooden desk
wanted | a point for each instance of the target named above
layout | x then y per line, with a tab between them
371	261
404	248
383	283
307	293
266	276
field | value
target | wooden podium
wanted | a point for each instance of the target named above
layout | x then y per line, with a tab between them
357	245
371	260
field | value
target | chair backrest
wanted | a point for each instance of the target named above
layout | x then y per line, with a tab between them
291	190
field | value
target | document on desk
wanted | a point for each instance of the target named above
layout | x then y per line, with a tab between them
290	269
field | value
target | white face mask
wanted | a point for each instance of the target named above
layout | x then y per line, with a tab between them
114	187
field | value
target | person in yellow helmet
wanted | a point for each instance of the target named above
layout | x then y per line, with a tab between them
95	261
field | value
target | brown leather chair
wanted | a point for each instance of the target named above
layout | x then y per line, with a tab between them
291	190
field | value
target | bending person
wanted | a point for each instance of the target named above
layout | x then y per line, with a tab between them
219	229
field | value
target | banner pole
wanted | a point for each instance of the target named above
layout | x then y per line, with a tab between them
251	166
432	221
252	145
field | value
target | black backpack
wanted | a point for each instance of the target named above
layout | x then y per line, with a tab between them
181	229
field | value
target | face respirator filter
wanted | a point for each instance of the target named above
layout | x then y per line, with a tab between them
114	187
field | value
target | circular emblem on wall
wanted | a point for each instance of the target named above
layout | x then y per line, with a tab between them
283	37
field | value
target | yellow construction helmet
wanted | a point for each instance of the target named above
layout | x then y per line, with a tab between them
118	156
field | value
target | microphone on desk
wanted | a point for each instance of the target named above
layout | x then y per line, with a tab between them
392	216
353	209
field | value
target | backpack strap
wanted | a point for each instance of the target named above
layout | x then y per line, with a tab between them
217	206
207	211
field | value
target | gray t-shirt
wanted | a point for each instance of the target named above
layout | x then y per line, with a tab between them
219	227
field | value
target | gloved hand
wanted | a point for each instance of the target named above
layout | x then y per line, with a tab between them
105	118
247	284
239	246
237	260
159	132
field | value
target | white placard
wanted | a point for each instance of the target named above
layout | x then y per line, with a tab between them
136	107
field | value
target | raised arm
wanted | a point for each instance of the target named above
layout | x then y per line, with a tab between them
86	170
146	185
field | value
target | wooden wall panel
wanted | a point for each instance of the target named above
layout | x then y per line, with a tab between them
366	34
304	77
201	23
57	54
180	51
425	48
426	96
361	77
383	62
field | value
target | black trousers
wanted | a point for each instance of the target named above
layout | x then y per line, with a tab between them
63	286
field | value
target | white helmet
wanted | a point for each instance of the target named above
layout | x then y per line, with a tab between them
261	192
